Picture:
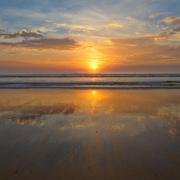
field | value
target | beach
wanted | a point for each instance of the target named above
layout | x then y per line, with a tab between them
89	134
89	90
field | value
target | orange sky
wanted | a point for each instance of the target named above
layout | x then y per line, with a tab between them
111	37
119	56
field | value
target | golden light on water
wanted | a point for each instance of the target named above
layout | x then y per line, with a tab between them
94	92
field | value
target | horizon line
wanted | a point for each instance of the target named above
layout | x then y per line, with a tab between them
29	75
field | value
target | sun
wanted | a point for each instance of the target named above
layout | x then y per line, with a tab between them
94	58
94	66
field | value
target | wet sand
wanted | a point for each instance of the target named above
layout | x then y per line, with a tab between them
89	134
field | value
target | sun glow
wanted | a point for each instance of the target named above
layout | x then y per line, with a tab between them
94	59
94	66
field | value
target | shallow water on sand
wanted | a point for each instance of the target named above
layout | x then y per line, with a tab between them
89	134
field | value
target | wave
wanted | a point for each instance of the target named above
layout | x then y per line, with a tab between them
93	85
89	81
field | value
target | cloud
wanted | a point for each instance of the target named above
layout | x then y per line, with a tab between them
115	25
80	28
2	32
24	33
171	20
171	27
153	16
44	43
89	29
144	51
33	114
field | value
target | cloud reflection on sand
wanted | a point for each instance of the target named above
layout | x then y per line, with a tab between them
89	134
118	111
30	114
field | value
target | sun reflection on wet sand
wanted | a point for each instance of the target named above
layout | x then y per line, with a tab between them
89	134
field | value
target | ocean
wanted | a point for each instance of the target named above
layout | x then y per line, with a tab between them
90	81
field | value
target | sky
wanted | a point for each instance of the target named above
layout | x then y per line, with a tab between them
90	36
